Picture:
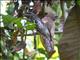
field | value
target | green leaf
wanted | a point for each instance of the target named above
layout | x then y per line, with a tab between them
19	25
41	50
40	58
30	25
58	36
68	3
55	7
8	18
16	56
10	8
18	22
78	2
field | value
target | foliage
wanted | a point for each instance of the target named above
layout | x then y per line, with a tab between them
30	26
10	8
13	23
78	2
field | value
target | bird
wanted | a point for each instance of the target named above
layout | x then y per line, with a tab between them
44	31
49	20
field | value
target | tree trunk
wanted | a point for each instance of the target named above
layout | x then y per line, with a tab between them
70	43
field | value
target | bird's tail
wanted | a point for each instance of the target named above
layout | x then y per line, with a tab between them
48	45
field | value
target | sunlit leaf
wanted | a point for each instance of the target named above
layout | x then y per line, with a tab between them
40	58
18	22
8	19
16	56
30	26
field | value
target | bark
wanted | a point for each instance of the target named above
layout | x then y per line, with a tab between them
69	46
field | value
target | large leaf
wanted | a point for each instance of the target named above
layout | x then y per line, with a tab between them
8	20
78	2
